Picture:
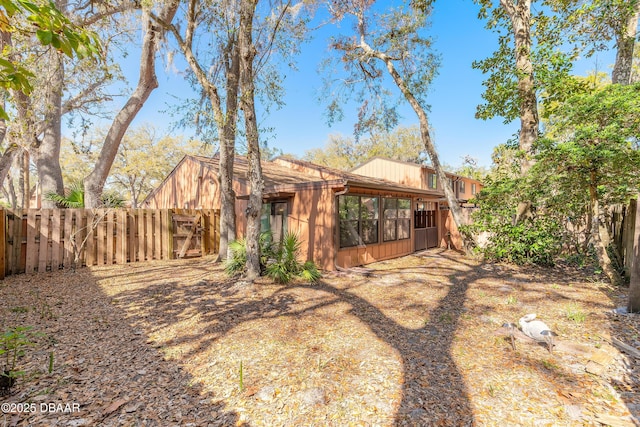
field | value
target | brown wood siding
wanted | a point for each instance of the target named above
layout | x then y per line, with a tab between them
406	174
311	217
189	186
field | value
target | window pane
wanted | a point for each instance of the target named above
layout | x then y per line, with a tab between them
369	231
349	207
461	186
390	208
389	230
348	233
369	208
404	227
404	208
265	213
433	180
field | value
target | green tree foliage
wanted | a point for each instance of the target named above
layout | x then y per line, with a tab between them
535	240
51	27
471	169
145	158
345	153
588	161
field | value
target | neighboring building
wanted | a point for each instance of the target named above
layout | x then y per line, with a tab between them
344	219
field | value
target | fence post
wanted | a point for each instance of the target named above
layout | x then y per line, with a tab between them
170	213
628	235
3	242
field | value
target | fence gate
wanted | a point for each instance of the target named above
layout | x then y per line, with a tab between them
187	236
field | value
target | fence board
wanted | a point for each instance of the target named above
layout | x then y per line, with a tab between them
39	240
56	260
90	232
68	233
110	237
121	237
132	246
157	234
84	237
12	241
45	225
32	232
141	239
3	243
20	237
167	228
149	234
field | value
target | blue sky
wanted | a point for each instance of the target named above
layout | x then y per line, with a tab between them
460	38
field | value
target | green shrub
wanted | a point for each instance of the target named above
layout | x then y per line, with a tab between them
236	263
278	260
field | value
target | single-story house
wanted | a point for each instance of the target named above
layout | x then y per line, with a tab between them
344	219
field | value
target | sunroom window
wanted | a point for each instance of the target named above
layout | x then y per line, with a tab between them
358	220
397	219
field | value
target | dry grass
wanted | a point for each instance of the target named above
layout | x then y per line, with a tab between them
414	343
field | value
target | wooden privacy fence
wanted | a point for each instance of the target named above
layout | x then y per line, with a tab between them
38	240
623	220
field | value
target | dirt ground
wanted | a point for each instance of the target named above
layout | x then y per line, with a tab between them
416	341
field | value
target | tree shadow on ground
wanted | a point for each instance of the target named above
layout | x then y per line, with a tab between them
100	361
433	389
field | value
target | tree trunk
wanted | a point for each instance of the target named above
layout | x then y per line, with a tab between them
48	153
94	183
227	193
624	48
6	161
601	249
25	182
452	200
634	287
225	121
520	15
227	125
247	104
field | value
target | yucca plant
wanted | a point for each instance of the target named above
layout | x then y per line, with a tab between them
236	263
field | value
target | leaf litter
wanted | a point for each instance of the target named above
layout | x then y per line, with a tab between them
415	341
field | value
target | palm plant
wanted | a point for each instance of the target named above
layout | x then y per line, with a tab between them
278	260
74	197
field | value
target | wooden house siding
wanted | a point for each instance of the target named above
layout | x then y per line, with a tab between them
190	185
406	174
413	175
312	218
